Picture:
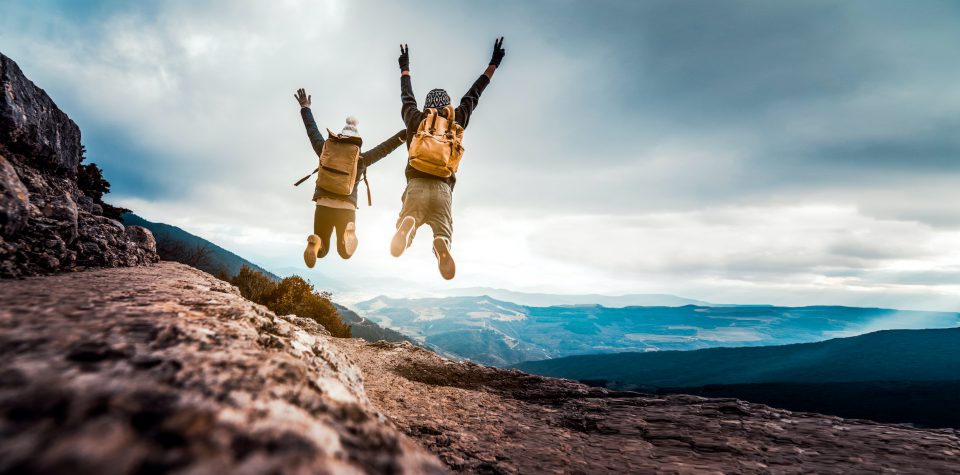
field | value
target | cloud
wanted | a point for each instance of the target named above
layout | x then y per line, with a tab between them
746	150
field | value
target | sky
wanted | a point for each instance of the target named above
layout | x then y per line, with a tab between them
791	153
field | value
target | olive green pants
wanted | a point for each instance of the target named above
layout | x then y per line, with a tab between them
429	202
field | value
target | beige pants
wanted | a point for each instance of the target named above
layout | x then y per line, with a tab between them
429	202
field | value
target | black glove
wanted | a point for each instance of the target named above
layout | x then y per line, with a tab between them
302	97
404	58
498	52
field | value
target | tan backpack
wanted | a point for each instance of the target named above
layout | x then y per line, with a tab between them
436	148
338	163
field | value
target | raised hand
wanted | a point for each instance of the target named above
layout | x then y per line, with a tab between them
404	58
302	97
498	52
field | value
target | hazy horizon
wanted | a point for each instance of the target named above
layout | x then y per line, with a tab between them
732	152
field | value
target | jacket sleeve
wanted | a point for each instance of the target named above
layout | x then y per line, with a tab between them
470	100
408	110
376	153
313	133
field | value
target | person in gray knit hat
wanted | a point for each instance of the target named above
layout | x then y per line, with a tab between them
334	211
428	198
436	99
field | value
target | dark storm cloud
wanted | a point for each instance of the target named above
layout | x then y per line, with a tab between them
796	99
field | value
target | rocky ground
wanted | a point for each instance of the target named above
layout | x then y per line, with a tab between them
485	420
165	369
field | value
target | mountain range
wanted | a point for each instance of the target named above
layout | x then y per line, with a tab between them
502	333
889	376
548	300
206	255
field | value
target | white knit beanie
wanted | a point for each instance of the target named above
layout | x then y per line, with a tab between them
350	130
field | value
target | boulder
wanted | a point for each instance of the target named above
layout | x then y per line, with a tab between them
63	210
14	200
142	237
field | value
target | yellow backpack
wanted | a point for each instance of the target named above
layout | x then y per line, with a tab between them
338	163
436	148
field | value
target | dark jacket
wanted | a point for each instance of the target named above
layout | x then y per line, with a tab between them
412	116
366	158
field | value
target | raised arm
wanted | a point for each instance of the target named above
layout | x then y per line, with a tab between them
313	133
408	109
470	100
376	153
498	54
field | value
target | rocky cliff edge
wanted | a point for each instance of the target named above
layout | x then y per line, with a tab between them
48	223
166	369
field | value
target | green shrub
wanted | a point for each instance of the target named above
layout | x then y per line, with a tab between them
292	295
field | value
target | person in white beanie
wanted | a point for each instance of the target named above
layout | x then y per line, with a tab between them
350	130
334	211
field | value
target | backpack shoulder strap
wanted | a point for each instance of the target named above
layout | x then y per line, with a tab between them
427	123
451	117
367	184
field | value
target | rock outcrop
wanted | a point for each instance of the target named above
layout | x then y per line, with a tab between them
481	419
164	369
47	223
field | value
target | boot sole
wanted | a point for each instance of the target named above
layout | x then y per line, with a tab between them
310	253
448	268
350	241
402	236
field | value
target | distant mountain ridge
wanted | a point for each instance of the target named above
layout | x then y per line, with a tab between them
551	300
492	331
219	259
903	376
362	328
889	355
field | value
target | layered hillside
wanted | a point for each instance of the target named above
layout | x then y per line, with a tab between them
904	376
501	333
890	355
200	252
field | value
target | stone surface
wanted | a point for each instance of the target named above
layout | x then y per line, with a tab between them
164	368
47	223
481	419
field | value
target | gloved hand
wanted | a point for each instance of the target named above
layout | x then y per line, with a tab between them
498	52
302	97
404	58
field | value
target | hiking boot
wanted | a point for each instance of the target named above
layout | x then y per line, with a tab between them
314	244
441	248
350	239
401	240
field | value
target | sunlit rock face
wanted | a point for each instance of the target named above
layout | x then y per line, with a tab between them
166	369
47	223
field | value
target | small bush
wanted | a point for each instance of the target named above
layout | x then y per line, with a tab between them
91	182
292	295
